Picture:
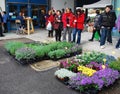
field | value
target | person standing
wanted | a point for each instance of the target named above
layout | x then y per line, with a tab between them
96	27
21	18
50	19
112	12
42	19
5	19
118	27
78	25
1	22
58	25
106	25
67	19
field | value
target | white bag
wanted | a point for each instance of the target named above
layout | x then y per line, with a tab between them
49	26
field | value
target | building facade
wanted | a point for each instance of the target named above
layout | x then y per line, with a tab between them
60	4
116	4
32	8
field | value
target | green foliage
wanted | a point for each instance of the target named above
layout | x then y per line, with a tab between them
88	57
12	46
85	88
56	54
55	50
39	51
25	53
115	65
64	45
52	46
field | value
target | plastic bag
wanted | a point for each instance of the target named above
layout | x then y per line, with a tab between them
115	32
97	37
49	26
90	28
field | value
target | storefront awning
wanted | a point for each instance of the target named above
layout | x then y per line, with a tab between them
99	4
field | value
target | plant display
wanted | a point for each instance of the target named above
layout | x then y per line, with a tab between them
110	59
88	57
13	46
100	79
40	51
96	66
62	73
75	50
115	65
82	83
87	71
25	53
64	45
93	75
56	54
70	65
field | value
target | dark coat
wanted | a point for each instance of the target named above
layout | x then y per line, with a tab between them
106	19
1	19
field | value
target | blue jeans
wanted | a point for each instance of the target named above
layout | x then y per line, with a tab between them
79	35
118	44
65	30
104	35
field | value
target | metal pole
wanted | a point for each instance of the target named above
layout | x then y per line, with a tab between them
29	12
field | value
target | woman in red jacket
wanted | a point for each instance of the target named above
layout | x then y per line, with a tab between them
50	19
78	25
67	19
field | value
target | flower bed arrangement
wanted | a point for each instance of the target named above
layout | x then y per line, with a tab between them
27	53
92	76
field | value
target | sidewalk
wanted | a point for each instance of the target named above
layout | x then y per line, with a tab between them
41	35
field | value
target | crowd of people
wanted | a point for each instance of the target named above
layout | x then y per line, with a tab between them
72	24
66	23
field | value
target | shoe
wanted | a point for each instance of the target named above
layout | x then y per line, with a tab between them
109	43
2	35
117	48
102	47
90	39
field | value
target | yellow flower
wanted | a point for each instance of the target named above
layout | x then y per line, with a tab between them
86	71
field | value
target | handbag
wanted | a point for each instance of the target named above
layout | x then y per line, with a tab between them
90	28
49	26
56	25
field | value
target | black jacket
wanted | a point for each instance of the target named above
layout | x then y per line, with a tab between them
1	19
107	19
113	17
97	21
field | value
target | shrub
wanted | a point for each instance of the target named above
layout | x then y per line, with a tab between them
63	45
25	53
12	46
39	52
110	59
57	54
115	65
53	46
88	57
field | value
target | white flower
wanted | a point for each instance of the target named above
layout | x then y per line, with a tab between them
64	73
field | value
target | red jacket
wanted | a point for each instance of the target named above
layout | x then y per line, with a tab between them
50	18
67	18
79	23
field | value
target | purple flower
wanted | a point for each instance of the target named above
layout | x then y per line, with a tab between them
101	78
